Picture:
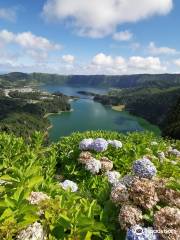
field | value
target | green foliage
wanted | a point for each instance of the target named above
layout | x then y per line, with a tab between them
26	168
172	123
135	145
87	214
152	104
23	113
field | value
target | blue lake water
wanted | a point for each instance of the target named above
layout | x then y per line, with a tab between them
87	115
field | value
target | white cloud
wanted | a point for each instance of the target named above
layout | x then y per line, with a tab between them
105	64
123	36
8	14
98	18
102	60
177	62
6	36
154	50
68	58
146	64
30	60
28	40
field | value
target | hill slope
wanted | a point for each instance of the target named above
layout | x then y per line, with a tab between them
124	81
172	122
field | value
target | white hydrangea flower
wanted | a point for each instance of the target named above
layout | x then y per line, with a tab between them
67	184
115	143
113	177
37	197
175	152
33	232
93	165
110	141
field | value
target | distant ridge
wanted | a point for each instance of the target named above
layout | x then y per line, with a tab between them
106	81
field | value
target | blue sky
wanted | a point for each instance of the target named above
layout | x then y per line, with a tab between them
90	37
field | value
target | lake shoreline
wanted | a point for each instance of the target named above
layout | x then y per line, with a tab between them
118	108
58	113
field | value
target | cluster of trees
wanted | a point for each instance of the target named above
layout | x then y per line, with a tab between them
172	122
23	124
153	104
22	118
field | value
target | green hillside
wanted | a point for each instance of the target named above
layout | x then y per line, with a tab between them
153	104
117	81
172	122
24	113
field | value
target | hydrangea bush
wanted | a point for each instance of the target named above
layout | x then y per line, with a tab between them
144	168
106	199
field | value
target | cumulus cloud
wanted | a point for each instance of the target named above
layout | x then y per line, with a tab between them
6	36
123	36
102	60
154	50
146	64
100	18
68	58
28	40
8	14
106	64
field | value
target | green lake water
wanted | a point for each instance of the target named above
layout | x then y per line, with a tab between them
87	115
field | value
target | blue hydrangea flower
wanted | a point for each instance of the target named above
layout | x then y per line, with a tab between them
100	145
140	233
144	168
115	143
86	144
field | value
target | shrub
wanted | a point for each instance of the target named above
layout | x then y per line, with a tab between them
89	213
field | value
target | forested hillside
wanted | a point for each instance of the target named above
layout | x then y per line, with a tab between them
153	104
172	122
23	113
126	81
